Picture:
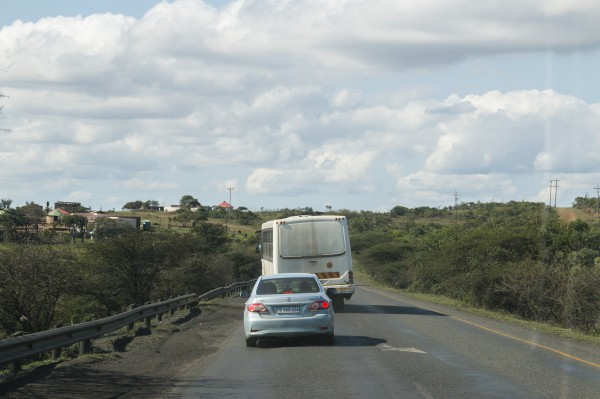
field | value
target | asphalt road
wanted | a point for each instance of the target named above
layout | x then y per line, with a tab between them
388	346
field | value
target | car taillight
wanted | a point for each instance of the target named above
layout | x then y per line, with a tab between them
316	306
257	308
351	277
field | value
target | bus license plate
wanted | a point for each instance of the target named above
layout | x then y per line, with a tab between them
288	309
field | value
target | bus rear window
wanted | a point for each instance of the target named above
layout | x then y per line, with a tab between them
311	239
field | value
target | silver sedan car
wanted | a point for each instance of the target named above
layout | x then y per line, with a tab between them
288	305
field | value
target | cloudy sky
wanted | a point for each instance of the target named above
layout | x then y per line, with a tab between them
351	104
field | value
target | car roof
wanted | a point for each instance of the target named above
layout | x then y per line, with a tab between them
287	275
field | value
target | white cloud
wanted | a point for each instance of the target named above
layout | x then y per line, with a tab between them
304	98
518	132
265	181
346	99
428	188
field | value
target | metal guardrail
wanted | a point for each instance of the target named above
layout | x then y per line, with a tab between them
227	291
14	350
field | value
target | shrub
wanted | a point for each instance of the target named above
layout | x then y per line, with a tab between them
582	301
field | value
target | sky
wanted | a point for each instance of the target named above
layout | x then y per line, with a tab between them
327	104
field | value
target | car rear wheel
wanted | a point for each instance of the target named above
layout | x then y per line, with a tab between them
328	339
251	342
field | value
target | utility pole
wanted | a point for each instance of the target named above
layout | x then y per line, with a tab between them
455	206
230	190
553	184
597	188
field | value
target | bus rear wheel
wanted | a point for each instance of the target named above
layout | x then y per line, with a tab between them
338	302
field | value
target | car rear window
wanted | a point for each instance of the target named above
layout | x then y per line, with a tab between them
287	286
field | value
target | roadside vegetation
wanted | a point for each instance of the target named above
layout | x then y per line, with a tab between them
50	276
520	258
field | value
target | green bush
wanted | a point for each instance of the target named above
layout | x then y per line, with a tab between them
33	278
515	257
582	300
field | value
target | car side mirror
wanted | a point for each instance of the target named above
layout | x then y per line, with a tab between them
331	292
245	294
258	248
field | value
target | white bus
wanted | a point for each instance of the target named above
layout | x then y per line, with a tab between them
310	244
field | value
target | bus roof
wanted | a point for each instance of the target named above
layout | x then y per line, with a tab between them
302	219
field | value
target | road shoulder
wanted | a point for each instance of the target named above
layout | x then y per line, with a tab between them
148	366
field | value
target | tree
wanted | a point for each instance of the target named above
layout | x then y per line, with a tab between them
106	228
584	202
133	206
77	225
150	204
5	203
32	211
199	273
245	216
132	263
367	220
399	211
82	209
10	221
184	217
32	281
32	214
188	202
214	237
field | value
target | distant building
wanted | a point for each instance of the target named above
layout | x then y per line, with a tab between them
67	206
56	215
172	208
91	216
132	221
225	204
175	208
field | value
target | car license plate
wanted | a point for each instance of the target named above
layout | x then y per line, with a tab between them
288	309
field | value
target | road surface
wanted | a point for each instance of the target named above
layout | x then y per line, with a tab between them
388	346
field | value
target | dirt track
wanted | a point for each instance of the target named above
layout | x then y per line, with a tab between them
148	367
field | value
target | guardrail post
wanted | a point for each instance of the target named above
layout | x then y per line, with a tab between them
172	311
85	346
147	321
131	307
15	366
159	315
55	354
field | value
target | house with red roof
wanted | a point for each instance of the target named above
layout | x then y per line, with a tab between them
225	204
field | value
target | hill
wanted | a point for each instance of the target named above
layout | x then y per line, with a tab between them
571	214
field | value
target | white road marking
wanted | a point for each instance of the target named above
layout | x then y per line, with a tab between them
386	347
